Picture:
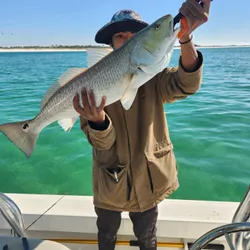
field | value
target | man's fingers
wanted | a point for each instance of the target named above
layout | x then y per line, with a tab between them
197	10
92	98
76	99
76	104
89	110
202	9
92	102
184	10
206	6
85	102
102	104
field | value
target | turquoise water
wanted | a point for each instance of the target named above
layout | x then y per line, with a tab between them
210	130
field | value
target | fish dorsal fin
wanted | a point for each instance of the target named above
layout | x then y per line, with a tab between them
96	54
68	75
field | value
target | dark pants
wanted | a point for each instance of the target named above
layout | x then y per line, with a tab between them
144	226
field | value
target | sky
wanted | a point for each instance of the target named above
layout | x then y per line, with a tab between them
75	22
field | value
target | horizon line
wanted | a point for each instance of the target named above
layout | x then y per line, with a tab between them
97	45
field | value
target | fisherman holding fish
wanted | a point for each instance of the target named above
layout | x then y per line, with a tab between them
134	166
122	115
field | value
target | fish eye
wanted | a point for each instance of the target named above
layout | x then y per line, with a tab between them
157	26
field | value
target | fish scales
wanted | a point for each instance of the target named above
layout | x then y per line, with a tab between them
105	79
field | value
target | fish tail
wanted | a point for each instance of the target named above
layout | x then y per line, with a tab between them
21	135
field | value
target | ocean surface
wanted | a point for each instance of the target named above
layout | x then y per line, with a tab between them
210	130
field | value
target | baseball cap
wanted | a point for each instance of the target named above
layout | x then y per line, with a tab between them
121	21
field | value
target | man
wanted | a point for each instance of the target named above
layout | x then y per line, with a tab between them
134	166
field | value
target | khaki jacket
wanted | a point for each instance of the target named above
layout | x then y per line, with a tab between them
137	144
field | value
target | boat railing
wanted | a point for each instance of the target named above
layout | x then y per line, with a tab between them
13	215
237	233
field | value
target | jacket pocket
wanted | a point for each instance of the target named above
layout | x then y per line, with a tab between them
112	186
115	173
150	177
162	170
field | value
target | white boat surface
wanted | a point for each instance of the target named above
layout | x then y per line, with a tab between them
71	221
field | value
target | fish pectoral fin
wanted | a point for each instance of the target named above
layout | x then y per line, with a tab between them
67	123
60	82
128	98
95	55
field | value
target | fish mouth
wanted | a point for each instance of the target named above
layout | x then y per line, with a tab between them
174	29
171	30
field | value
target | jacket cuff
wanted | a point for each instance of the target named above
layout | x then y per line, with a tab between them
99	133
100	126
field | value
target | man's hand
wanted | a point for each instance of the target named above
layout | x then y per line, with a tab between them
195	14
89	110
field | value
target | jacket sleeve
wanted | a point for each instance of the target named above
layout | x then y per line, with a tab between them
102	136
176	83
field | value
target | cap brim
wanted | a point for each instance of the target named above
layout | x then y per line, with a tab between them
104	35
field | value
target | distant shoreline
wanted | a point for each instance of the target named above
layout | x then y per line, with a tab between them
218	46
40	50
72	49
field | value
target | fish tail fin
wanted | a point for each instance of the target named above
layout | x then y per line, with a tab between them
21	135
